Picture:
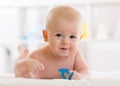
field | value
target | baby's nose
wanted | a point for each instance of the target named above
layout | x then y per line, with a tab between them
65	42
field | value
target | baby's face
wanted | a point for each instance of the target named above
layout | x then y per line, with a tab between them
63	37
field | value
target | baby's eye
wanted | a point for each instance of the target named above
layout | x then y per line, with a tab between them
58	35
73	37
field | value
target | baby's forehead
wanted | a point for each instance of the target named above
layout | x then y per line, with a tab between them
65	30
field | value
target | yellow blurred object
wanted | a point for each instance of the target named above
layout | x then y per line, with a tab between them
84	31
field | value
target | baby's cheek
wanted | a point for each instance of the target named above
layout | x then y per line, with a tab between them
53	46
54	43
73	49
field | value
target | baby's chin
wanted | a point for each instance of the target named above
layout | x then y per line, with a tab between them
63	54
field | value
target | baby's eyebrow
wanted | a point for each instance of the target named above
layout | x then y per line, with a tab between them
73	34
58	33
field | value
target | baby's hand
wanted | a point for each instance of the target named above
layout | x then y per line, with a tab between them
76	75
34	67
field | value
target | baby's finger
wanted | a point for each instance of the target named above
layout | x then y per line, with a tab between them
36	70
77	78
75	74
41	66
32	74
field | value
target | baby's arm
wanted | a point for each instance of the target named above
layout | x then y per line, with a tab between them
25	66
81	69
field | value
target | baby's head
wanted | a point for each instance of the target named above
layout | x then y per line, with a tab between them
64	17
62	13
63	26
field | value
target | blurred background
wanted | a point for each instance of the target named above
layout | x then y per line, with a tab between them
21	22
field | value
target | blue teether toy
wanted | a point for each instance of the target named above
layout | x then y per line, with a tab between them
70	77
65	70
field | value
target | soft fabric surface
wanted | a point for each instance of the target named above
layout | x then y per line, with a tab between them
58	82
97	79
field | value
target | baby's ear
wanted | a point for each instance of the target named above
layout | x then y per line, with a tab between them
81	37
45	35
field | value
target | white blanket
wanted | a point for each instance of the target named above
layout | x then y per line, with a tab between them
58	82
97	79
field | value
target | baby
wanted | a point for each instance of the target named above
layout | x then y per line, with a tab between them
63	33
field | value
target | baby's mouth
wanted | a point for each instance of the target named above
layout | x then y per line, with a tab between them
64	48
